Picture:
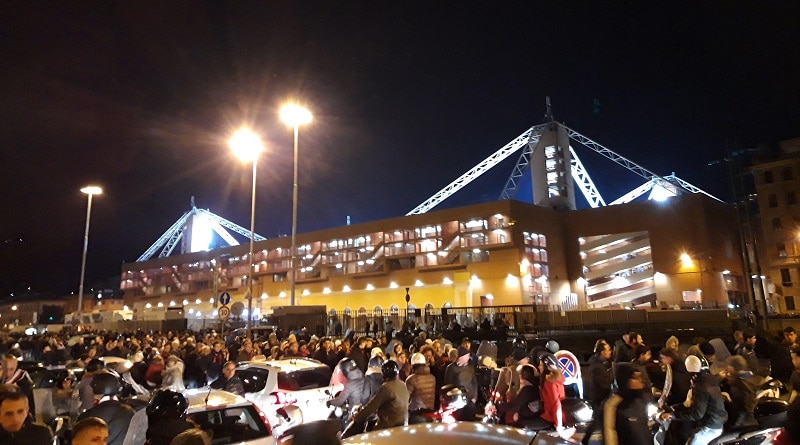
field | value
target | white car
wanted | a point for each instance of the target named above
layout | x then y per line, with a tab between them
232	419
290	391
463	433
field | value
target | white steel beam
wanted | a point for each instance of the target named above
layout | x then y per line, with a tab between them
674	179
633	194
521	167
217	227
232	226
584	182
476	171
171	243
177	226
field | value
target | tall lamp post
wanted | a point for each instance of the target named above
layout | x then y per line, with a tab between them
294	116
90	191
247	146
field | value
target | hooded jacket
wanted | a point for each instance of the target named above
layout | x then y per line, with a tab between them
421	387
172	378
355	391
708	405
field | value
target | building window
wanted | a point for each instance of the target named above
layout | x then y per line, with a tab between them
773	200
781	248
789	303
791	198
786	277
768	177
786	174
776	223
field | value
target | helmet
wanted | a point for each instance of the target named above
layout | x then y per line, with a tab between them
695	365
453	396
167	404
390	369
519	348
418	359
348	365
550	361
94	365
106	383
552	346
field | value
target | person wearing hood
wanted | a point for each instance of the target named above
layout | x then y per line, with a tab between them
373	378
527	405
707	407
462	373
742	393
355	391
172	375
625	413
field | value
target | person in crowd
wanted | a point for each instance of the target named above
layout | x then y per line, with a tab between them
64	400
116	414
794	380
623	352
16	425
194	436
360	353
355	391
326	353
405	365
526	405
782	360
14	375
552	390
229	381
707	404
748	349
742	394
246	353
677	381
462	373
165	413
601	378
673	343
508	379
643	360
390	402
172	375
625	413
90	431
219	355
421	385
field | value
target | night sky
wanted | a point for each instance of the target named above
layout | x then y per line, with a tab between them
140	98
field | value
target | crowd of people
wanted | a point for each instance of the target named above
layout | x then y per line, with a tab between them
400	375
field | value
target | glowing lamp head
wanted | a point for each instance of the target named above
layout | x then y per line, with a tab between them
294	115
686	259
92	190
246	145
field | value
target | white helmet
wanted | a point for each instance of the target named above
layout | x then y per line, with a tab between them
418	359
695	365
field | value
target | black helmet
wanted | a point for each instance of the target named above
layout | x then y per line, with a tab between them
94	365
390	369
167	404
106	383
519	348
347	365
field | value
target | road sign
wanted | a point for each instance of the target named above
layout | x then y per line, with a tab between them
224	298
237	308
223	312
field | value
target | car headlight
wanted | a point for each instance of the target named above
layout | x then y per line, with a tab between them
584	414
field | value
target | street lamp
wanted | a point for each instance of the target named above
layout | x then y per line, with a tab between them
294	116
247	146
90	191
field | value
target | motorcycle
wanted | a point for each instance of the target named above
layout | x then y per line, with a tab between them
770	413
352	428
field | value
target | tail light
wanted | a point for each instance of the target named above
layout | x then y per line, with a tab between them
266	421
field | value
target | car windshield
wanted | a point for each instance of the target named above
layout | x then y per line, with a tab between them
231	425
254	379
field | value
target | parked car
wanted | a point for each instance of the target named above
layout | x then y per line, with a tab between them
463	433
290	391
228	417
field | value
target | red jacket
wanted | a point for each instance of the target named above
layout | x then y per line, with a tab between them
552	394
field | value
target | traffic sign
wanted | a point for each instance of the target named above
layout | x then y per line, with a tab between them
224	298
223	312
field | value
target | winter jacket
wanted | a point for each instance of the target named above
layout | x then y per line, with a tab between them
462	376
30	434
391	404
601	377
625	419
422	389
508	384
355	391
527	404
552	392
708	405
